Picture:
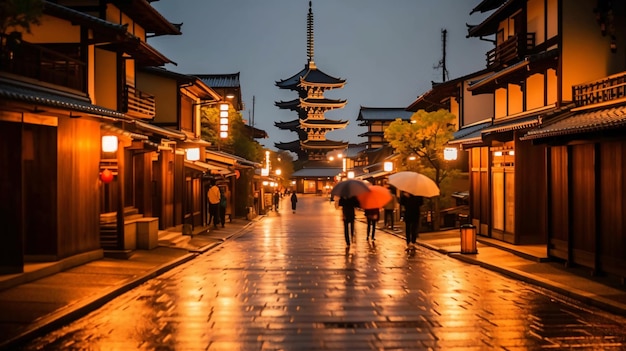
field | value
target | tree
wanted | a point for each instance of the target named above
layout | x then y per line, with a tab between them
238	141
16	14
425	138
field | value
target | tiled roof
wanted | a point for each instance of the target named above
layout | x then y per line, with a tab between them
323	144
142	12
581	122
312	75
51	98
383	114
316	172
230	80
513	124
470	134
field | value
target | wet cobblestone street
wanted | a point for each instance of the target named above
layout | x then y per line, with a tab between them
289	283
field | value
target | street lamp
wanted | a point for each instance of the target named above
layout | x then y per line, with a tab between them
109	143
450	153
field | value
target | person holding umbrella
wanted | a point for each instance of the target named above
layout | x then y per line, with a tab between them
348	204
371	215
412	205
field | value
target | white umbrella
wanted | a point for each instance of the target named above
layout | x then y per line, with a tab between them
414	183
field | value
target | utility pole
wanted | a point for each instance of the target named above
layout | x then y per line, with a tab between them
442	63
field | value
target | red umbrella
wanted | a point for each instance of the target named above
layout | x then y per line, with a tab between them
377	197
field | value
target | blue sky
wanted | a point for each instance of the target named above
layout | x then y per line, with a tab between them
387	51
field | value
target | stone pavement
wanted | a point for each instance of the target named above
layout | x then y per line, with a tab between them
49	295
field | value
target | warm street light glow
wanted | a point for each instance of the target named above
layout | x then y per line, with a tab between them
193	154
450	154
388	166
109	143
350	174
224	120
278	172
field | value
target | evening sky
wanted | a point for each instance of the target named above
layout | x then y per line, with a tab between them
387	51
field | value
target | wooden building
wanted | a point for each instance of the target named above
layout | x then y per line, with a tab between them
551	153
64	85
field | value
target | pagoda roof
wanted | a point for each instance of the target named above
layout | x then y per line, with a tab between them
375	114
310	75
323	144
290	125
331	123
300	103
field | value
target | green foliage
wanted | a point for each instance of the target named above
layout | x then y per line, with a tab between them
237	142
19	14
424	138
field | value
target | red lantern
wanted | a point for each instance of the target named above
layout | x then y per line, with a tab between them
106	176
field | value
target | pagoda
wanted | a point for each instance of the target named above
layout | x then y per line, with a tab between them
311	105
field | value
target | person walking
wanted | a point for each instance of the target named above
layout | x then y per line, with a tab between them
348	204
390	208
371	216
412	205
276	198
223	205
294	201
213	196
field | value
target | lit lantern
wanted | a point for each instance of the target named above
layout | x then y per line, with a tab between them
193	154
224	121
468	239
350	174
450	154
106	176
109	143
388	166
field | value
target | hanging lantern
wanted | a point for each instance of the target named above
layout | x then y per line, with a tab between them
109	143
193	154
106	176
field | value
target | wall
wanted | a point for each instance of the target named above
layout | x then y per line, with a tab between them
78	185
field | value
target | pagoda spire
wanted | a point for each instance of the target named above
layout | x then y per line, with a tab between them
309	35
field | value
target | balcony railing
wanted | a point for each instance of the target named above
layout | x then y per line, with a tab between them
511	50
138	104
37	62
600	91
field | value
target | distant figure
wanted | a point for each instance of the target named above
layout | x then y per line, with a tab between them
276	198
412	205
371	215
213	197
223	205
390	208
348	204
294	202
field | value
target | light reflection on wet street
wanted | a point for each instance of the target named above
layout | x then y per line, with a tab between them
289	283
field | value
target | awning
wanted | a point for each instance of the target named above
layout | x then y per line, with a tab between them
375	175
581	122
168	133
205	167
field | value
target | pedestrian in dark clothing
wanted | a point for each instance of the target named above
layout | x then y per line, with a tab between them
276	198
390	209
348	204
371	216
223	205
294	201
213	197
412	205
